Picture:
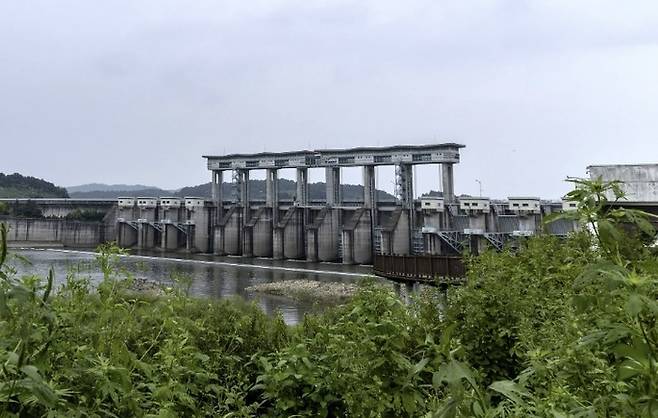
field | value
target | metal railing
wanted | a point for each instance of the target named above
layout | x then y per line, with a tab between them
420	268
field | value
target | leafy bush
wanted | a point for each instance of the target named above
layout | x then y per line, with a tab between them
29	209
571	327
514	300
555	328
78	352
373	357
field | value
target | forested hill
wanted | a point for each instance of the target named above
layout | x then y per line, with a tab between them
287	191
17	186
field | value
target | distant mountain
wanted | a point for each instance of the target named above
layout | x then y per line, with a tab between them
100	187
287	191
113	194
19	186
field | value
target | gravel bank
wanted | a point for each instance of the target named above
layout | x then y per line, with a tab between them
143	285
307	289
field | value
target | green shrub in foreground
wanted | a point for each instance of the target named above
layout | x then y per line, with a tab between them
114	353
571	327
557	328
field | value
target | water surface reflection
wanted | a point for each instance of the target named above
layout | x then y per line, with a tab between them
211	276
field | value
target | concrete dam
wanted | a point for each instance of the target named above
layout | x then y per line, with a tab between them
332	229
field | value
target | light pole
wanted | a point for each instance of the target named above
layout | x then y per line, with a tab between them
480	184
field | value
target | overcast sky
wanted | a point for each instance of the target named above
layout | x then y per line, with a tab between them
136	91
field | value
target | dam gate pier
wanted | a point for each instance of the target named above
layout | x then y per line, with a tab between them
332	229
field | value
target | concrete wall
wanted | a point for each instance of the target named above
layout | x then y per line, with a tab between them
357	238
323	236
640	181
400	239
477	221
329	236
199	240
126	235
59	208
395	233
127	213
228	233
293	235
68	233
288	235
146	235
528	223
261	233
171	237
150	214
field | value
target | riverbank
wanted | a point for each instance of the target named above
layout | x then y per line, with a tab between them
212	277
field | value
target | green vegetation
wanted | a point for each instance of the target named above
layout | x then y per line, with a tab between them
18	186
555	328
287	191
89	215
28	209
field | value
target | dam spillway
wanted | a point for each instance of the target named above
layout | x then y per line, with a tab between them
331	229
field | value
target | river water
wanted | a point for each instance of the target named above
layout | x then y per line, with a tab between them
211	276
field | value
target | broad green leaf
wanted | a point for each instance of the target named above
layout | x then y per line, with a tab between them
454	371
511	390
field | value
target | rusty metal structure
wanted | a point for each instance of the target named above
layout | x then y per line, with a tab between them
433	269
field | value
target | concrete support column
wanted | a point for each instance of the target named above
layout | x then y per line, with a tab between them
326	241
302	199
246	213
370	200
348	247
369	190
332	179
272	193
302	186
404	184
244	195
217	195
448	179
277	243
126	235
216	187
272	187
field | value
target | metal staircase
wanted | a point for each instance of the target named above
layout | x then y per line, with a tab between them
497	239
454	239
417	242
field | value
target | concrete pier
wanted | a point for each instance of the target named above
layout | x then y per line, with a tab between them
448	182
258	234
289	241
228	233
147	234
198	225
323	236
395	234
357	238
171	209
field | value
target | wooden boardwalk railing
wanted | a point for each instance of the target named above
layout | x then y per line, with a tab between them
421	268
